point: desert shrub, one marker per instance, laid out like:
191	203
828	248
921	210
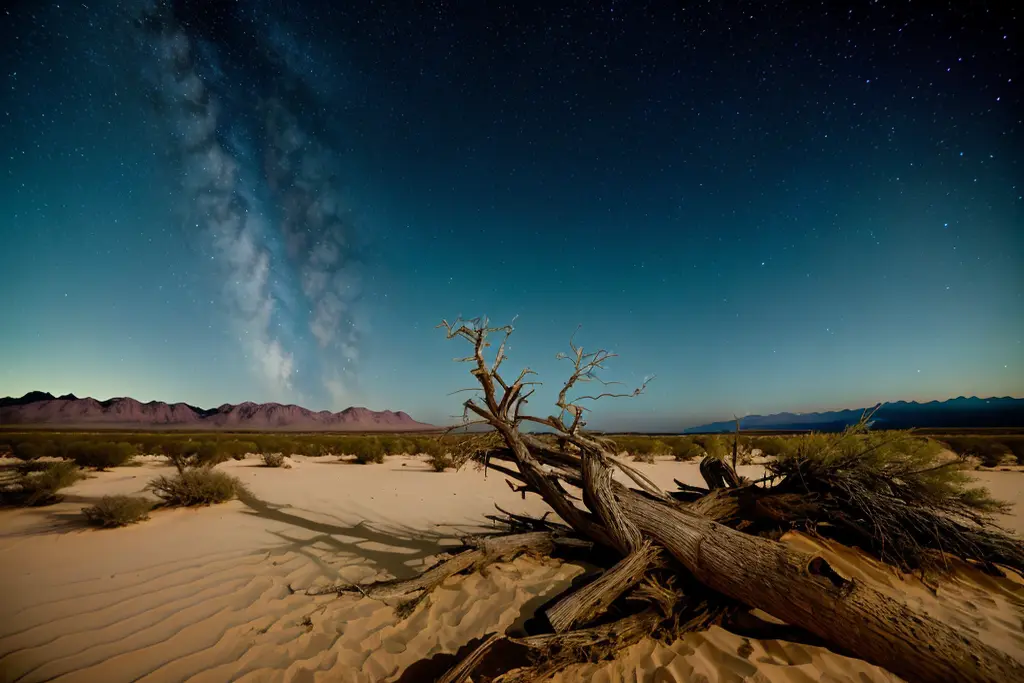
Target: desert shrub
272	459
238	449
115	511
642	451
148	444
684	448
438	455
62	474
440	460
424	445
345	445
101	455
172	448
397	445
990	451
41	487
1016	446
189	453
773	446
368	450
897	495
195	486
311	449
714	445
28	450
288	447
337	445
210	453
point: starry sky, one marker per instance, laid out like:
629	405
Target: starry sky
768	206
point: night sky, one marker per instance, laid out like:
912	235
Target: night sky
769	206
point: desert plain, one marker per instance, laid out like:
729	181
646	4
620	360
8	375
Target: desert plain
218	593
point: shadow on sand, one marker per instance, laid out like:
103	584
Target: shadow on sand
403	546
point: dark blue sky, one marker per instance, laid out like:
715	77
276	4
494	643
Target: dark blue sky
768	206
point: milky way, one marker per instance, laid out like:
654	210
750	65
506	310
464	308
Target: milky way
256	178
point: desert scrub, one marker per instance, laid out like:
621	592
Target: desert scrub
714	445
115	511
989	450
438	456
773	446
195	486
367	451
683	449
41	487
100	455
273	460
893	493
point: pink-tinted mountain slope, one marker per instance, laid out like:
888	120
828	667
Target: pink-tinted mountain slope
40	408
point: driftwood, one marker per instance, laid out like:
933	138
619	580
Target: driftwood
685	559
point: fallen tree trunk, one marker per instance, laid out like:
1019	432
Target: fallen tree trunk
592	600
805	591
800	589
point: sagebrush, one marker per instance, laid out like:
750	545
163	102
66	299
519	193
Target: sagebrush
41	486
273	459
116	511
195	486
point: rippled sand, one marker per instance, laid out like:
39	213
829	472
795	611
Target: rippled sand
216	594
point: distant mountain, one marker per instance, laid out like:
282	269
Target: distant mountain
42	408
966	412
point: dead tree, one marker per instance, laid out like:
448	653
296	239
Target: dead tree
681	563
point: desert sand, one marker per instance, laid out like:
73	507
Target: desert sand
217	594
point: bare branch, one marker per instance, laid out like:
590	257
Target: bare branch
459	391
636	392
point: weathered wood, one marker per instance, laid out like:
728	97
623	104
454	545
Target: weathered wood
805	591
461	671
598	496
622	633
800	589
590	601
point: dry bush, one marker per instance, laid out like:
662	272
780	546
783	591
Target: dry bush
237	450
772	446
893	493
367	451
684	448
41	486
272	459
115	511
1016	446
714	445
101	455
440	461
441	458
990	450
195	486
28	450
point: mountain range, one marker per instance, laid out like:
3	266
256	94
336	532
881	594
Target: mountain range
965	412
41	408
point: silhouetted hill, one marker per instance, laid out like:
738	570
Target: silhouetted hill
41	408
964	412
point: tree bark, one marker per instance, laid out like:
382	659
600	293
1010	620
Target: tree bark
805	591
590	601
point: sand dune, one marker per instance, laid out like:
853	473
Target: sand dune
216	594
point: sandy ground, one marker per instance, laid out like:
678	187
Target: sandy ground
209	594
